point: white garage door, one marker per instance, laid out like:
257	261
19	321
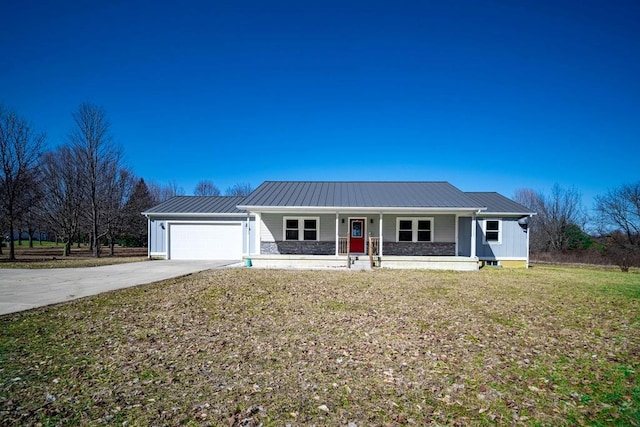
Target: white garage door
205	241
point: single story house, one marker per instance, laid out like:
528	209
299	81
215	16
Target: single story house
431	225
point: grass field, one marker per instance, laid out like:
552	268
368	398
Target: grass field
49	255
545	346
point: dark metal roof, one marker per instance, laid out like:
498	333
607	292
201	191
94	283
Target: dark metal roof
198	205
358	195
497	203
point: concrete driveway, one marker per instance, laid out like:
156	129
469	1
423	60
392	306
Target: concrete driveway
23	289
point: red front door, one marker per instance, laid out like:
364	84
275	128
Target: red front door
356	227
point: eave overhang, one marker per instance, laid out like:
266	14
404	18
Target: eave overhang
518	214
355	209
194	215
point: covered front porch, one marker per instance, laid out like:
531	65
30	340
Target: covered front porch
365	240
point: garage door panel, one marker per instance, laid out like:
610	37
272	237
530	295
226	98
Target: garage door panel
205	241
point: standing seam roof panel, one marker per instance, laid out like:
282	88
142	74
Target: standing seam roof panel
282	195
353	194
366	193
357	197
497	203
304	198
309	195
317	194
296	198
337	195
360	194
350	195
199	205
326	193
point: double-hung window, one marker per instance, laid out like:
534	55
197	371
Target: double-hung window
303	228
492	231
291	229
415	229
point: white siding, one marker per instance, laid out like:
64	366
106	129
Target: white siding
327	228
513	241
271	229
374	229
444	227
157	236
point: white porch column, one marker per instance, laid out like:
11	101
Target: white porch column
256	250
473	235
337	236
380	236
456	232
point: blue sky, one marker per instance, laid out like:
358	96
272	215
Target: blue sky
489	95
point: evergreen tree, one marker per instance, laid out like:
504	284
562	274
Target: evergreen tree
140	201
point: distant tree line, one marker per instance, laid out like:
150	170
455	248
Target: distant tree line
208	188
80	191
559	227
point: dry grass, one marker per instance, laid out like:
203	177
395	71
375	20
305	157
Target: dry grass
50	256
547	346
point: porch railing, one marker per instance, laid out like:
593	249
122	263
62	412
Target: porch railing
374	249
374	246
343	246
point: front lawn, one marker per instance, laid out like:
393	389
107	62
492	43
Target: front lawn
50	256
545	346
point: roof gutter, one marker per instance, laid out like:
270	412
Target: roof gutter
192	215
510	213
376	209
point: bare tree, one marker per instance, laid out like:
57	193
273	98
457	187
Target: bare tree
100	158
118	192
206	188
159	193
239	189
557	216
619	219
31	219
62	194
20	148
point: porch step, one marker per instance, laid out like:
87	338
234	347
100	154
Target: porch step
362	263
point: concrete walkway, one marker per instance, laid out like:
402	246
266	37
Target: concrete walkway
23	289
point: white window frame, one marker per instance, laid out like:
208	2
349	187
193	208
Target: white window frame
414	228
484	231
301	228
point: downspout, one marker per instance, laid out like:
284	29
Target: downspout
528	233
248	241
148	236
